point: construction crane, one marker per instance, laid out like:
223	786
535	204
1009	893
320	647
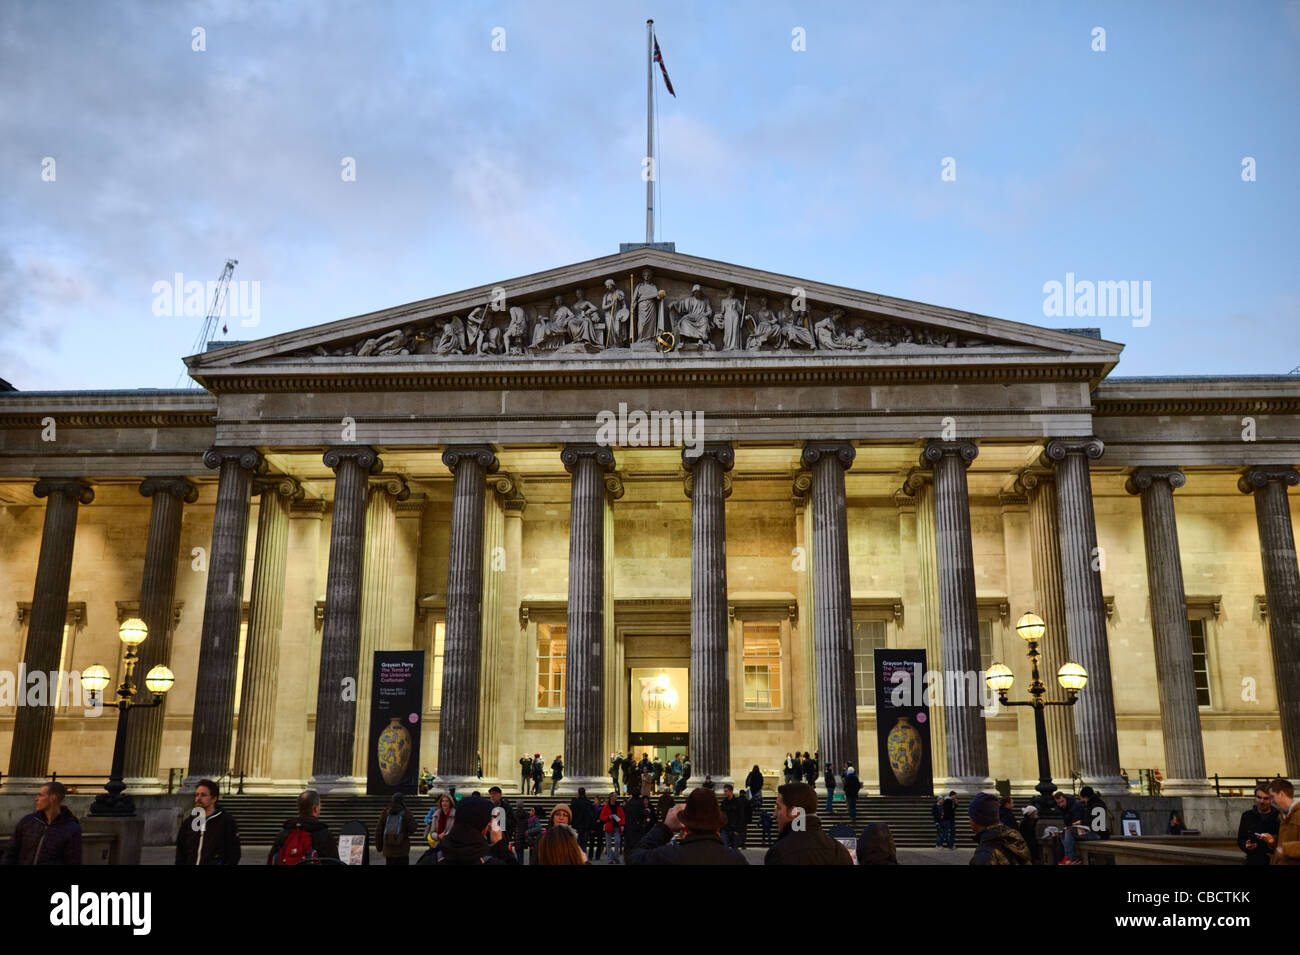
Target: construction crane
209	330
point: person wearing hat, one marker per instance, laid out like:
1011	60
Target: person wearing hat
995	843
473	840
1029	832
688	835
801	840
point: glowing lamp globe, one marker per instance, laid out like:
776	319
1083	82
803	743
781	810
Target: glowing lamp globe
94	678
133	631
1031	627
159	680
1072	676
999	677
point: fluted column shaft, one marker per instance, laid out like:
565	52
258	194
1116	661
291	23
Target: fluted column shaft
1277	550
1180	717
157	609
837	715
710	696
584	683
29	756
463	650
265	622
336	710
1085	612
214	697
959	626
1049	597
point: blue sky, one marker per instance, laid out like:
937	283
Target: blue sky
475	166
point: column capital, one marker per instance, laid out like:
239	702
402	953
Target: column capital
511	491
1143	478
573	453
614	485
1058	448
1257	478
365	456
720	450
814	451
482	453
393	485
799	490
1028	479
936	449
175	486
284	485
250	459
914	480
73	488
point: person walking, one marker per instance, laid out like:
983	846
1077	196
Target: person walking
615	764
304	837
49	836
754	782
393	836
688	835
801	840
830	787
852	786
557	772
1259	820
612	819
208	835
995	843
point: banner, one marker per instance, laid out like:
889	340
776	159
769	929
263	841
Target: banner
396	702
903	724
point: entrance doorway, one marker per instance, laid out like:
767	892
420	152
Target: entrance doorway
659	707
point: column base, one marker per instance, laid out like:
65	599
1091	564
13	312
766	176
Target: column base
338	785
144	785
1106	785
1186	787
964	785
24	785
462	784
597	786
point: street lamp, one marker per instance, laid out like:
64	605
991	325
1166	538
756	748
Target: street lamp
1072	676
94	679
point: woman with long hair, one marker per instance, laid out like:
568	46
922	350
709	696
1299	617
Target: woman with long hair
559	846
439	820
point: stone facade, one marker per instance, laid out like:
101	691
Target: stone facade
940	414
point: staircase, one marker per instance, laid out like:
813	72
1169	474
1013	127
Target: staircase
260	817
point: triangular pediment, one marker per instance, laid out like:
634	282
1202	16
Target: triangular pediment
642	305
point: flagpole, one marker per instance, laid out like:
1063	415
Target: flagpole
649	132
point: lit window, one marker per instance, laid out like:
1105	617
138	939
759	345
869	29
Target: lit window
551	649
65	651
1200	660
762	666
239	663
435	664
868	636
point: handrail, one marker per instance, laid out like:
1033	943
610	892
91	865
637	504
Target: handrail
1225	782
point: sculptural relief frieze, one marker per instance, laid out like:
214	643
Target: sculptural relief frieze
641	313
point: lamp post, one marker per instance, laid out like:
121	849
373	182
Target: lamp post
1072	676
132	633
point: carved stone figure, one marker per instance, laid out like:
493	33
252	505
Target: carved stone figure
582	322
766	328
793	332
830	336
480	336
613	306
516	332
645	305
694	323
730	320
552	331
390	343
452	341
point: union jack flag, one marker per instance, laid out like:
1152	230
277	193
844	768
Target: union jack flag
659	58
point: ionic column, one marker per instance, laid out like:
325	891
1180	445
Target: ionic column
1180	717
919	486
336	711
959	626
376	600
584	681
1282	590
260	686
29	756
1085	612
708	486
458	722
157	609
1049	599
837	715
223	610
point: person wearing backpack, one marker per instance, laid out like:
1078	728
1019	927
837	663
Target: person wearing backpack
304	837
394	833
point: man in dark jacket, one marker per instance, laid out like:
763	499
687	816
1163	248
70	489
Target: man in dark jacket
538	773
1260	819
1029	832
684	778
209	835
995	844
809	770
697	821
473	840
637	818
830	787
801	840
733	808
1007	812
308	821
525	773
49	836
557	772
950	819
394	841
615	764
876	845
584	819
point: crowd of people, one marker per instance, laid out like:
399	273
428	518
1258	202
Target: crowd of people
650	829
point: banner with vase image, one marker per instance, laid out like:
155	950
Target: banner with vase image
903	723
396	702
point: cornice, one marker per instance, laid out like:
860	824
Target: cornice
111	419
1192	405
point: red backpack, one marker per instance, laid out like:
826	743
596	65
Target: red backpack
297	847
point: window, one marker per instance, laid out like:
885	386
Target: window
868	636
65	658
435	664
1200	660
552	642
986	645
762	666
239	664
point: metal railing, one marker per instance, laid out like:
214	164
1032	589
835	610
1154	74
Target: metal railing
1240	785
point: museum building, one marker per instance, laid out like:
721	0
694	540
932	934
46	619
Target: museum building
656	501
